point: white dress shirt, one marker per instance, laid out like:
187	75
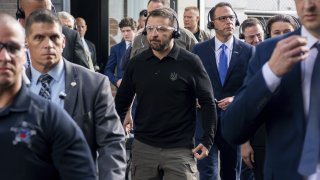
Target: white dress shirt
218	50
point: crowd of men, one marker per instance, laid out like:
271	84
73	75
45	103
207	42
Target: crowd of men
200	106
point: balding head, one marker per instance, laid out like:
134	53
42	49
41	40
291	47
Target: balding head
11	26
81	26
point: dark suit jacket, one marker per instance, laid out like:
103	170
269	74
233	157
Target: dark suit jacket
74	50
282	112
90	103
92	49
241	54
114	62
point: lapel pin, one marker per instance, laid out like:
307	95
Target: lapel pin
73	83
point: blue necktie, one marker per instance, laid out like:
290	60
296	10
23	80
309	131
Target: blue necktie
310	153
223	63
45	80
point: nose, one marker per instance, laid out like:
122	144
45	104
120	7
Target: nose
154	32
256	38
4	54
49	43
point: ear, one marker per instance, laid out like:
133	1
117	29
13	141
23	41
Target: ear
63	41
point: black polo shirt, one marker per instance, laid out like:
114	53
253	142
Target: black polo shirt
166	92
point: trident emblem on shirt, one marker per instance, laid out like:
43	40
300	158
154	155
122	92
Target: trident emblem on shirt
173	76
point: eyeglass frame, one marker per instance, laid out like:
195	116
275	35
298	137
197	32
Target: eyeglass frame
158	28
225	18
8	46
252	36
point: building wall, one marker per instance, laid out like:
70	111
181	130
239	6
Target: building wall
8	6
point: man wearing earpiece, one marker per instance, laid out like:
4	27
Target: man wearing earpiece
251	31
166	79
225	59
140	43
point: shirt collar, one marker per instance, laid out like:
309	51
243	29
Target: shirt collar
311	39
218	43
55	72
20	103
173	54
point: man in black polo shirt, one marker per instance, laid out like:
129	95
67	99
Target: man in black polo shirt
167	80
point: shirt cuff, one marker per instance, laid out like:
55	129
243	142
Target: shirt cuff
270	78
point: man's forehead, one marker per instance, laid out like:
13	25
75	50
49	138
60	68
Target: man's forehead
158	20
11	33
43	28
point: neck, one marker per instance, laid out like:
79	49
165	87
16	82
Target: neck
165	52
7	94
194	29
223	39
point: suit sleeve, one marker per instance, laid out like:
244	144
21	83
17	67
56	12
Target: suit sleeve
70	151
241	119
205	97
111	66
110	135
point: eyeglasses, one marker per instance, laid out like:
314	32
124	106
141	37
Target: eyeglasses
225	18
11	47
159	29
253	36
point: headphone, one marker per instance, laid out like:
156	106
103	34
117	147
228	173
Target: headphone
253	22
210	24
21	15
175	33
145	13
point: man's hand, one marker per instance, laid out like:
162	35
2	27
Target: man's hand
203	149
119	83
224	103
247	154
128	122
287	53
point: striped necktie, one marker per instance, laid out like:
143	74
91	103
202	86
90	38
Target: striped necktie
45	80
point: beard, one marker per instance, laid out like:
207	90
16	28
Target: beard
159	45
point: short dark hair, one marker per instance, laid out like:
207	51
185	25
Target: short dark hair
128	22
281	18
165	13
164	2
249	23
42	16
221	4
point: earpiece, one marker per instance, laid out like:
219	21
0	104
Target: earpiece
145	13
19	13
210	24
175	33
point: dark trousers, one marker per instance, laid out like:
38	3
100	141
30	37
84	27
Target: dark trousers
230	157
258	166
246	172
